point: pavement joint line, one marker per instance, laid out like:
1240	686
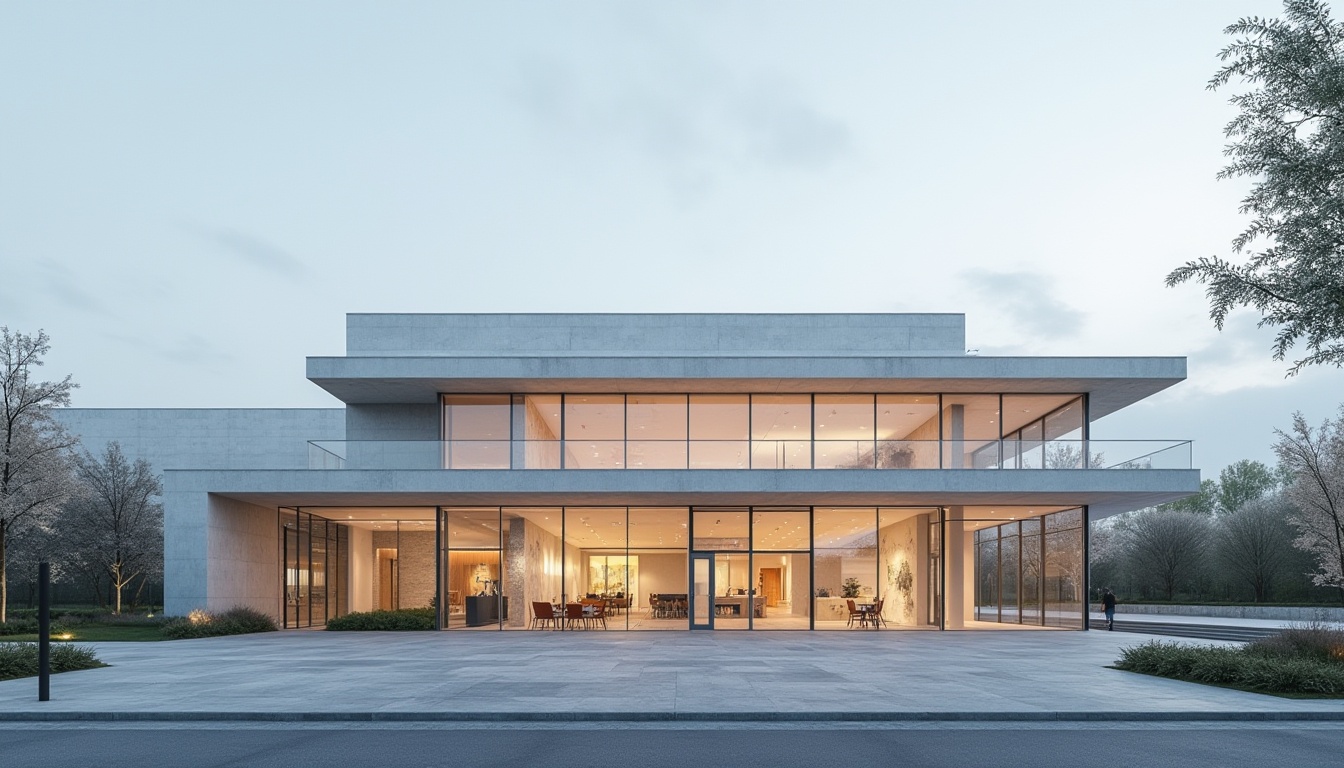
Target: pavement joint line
707	717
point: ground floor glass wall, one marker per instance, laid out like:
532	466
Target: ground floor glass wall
630	568
316	568
1031	571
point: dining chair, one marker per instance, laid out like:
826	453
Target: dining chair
543	614
875	615
573	615
855	613
599	615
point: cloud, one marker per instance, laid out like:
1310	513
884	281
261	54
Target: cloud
64	286
689	114
1027	299
256	251
1236	358
185	349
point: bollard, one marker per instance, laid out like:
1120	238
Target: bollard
44	631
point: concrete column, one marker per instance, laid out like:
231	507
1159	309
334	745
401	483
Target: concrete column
954	568
957	427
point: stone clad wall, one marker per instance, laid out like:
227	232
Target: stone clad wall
1265	612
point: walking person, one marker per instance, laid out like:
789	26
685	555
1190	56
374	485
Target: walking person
1108	605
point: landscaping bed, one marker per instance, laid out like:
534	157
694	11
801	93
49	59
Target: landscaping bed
1301	661
404	620
20	659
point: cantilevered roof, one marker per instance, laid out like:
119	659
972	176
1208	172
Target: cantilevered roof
1112	382
411	358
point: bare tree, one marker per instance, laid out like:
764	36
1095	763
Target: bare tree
1166	547
1316	460
35	476
115	523
1255	543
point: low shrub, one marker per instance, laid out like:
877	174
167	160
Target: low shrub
404	620
29	627
1270	666
20	659
239	620
18	627
1315	640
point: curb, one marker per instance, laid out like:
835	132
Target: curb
580	717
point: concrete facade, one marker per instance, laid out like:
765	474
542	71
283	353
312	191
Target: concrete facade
229	472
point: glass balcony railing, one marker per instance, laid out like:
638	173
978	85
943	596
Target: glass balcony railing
750	454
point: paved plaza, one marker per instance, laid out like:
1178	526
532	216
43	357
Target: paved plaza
1003	675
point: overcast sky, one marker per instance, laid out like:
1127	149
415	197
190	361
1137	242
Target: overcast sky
193	195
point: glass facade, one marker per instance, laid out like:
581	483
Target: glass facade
762	431
669	568
1030	571
316	569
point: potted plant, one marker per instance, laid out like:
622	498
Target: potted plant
850	588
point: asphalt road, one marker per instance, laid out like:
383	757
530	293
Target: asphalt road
1071	746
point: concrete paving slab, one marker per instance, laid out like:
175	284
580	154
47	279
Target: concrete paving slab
305	676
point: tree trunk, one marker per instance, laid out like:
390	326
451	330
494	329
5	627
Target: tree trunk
4	585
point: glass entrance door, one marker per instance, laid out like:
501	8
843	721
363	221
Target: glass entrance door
702	590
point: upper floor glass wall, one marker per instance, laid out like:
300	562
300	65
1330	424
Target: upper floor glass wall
761	431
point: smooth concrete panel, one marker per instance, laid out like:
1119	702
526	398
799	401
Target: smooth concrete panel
207	438
243	556
184	549
1111	382
1107	491
451	335
395	421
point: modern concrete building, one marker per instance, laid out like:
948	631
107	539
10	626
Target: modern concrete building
658	471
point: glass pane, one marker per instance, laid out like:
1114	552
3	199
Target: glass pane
594	431
903	565
845	560
844	431
987	577
719	529
656	426
781	431
735	597
1064	578
907	431
476	428
1031	576
719	431
970	431
702	601
781	529
538	418
658	538
782	583
532	554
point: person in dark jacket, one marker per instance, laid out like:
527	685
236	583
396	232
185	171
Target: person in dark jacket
1108	605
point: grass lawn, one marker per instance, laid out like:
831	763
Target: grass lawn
96	634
